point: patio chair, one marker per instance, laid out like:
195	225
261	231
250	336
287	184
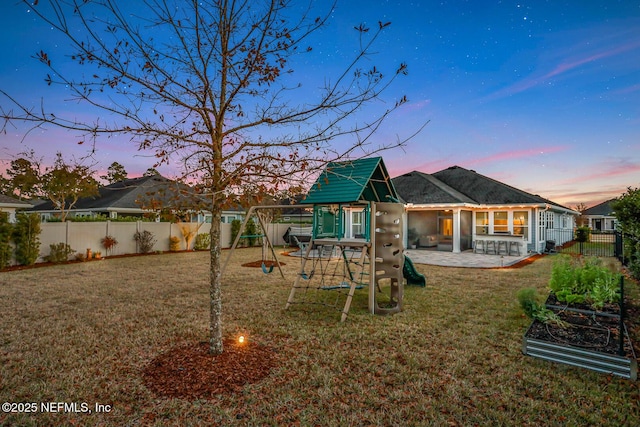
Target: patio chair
479	247
514	248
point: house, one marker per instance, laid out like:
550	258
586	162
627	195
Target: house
455	208
139	197
11	205
601	217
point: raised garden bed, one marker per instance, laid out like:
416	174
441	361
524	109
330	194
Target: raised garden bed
595	340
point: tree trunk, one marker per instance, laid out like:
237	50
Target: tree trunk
215	294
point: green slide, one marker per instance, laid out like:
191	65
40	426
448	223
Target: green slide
411	274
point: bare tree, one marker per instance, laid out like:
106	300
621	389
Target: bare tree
210	83
581	220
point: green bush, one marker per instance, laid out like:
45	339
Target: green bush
582	234
251	229
26	237
145	241
6	252
59	252
235	229
203	241
633	261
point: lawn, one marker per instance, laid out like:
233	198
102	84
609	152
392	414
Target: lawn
85	333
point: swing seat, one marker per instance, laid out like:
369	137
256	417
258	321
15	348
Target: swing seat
266	270
306	276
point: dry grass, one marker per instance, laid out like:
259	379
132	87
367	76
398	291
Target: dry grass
85	332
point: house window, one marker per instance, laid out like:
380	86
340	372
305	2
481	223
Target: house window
501	222
482	222
521	223
356	224
549	217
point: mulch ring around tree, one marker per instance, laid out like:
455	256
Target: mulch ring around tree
191	372
258	264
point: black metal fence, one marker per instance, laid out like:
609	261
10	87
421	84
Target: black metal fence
599	244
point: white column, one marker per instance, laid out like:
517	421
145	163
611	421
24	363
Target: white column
456	230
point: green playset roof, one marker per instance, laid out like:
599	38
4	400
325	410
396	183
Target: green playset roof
353	181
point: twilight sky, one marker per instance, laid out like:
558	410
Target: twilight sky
541	95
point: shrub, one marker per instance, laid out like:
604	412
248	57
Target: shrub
26	237
582	234
6	252
235	229
203	241
251	229
108	243
174	243
145	241
59	252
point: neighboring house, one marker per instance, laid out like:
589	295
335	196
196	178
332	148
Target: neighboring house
295	215
11	205
138	197
447	210
601	217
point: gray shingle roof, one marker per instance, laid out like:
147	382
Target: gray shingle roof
6	200
134	193
485	190
459	185
421	188
603	209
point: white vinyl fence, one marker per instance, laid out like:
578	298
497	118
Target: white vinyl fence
88	235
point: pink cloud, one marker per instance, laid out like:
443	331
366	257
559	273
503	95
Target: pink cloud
606	170
513	154
589	198
561	68
627	90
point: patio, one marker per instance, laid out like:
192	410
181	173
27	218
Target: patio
462	259
449	259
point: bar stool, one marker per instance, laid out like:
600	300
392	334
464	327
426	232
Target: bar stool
514	247
490	246
502	247
479	244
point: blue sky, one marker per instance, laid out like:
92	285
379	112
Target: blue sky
544	96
